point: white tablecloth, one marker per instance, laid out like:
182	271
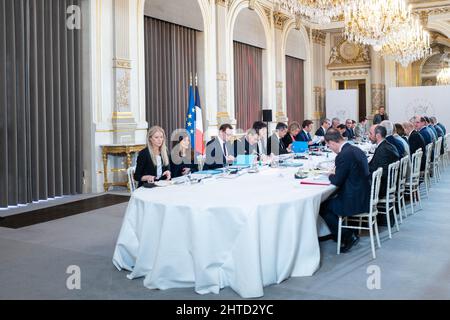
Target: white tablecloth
246	233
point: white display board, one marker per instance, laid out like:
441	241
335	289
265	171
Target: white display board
342	104
404	103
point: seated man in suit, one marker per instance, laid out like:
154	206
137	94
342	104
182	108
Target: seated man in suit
415	141
440	132
380	116
438	124
325	124
385	154
335	122
431	128
305	134
421	127
342	129
293	130
247	145
261	130
275	143
391	138
351	176
219	151
349	133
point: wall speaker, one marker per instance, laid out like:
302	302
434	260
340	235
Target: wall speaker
267	115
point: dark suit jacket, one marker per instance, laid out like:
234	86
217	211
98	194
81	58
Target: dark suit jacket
146	167
397	144
287	140
417	142
352	178
302	136
320	132
242	147
214	155
378	118
385	154
276	146
440	133
349	134
177	169
426	135
442	127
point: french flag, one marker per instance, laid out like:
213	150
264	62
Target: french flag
199	145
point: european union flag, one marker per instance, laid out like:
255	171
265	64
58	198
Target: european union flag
190	116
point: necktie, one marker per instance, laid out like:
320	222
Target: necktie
224	149
309	136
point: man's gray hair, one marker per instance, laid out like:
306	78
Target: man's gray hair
389	127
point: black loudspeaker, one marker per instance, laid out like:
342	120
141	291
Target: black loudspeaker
267	115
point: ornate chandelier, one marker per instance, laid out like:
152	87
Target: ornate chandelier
318	11
409	44
371	22
443	78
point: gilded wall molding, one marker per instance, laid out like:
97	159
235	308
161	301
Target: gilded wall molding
350	73
345	54
280	20
279	84
432	11
123	90
378	94
252	4
223	3
319	37
221	76
122	63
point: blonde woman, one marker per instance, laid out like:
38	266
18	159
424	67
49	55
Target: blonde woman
153	162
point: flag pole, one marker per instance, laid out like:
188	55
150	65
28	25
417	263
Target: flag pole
196	79
190	78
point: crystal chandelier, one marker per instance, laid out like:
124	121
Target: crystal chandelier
443	78
371	22
318	11
409	44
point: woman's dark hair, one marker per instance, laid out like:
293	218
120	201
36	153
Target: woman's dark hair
400	129
341	126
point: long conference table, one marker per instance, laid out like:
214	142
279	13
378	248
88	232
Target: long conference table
248	232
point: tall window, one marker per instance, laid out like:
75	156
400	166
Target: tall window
247	84
295	96
170	58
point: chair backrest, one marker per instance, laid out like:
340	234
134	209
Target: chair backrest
403	172
428	149
415	166
437	149
446	144
375	191
392	178
131	182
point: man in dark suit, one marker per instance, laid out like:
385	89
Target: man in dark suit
305	134
385	154
275	144
349	133
415	141
351	176
439	131
421	127
391	139
437	124
246	145
325	124
380	116
219	151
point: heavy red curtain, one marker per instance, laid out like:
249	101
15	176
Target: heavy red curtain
170	58
247	84
295	94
